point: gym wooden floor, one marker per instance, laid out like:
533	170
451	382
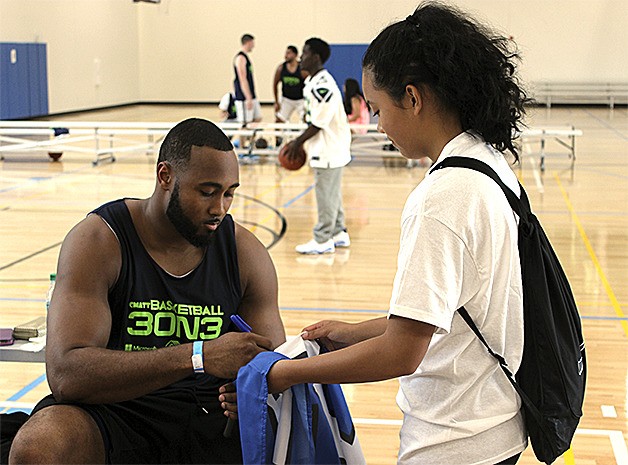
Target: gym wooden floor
584	211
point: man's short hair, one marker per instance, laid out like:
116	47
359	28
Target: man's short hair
177	145
293	49
320	47
246	38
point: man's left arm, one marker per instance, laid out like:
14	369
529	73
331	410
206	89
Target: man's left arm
259	306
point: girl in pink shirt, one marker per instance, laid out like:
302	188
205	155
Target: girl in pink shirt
355	105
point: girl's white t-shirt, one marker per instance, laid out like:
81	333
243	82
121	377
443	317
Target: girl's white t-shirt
459	248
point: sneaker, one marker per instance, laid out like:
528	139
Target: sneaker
314	247
342	239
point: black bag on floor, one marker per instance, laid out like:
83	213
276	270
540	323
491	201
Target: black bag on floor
10	423
552	376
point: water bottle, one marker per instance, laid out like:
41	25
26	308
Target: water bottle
51	288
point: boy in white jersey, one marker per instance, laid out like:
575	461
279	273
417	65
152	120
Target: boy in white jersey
327	141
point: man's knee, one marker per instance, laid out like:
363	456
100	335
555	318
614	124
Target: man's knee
58	434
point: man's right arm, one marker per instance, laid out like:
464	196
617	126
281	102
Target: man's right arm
79	366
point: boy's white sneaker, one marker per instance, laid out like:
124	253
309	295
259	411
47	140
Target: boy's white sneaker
314	248
342	239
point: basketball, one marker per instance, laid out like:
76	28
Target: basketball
296	162
55	155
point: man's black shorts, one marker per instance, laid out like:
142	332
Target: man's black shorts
182	424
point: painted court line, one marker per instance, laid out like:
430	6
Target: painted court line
608	411
618	445
21	393
536	175
302	194
25	183
29	387
607	125
594	259
18	405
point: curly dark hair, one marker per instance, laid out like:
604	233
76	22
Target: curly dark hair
469	68
177	145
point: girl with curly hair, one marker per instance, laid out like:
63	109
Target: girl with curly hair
442	85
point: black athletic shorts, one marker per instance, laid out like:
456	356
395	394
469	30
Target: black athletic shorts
178	424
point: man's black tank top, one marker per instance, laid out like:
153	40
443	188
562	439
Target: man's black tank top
291	83
239	95
151	309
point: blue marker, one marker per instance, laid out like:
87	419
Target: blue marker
240	323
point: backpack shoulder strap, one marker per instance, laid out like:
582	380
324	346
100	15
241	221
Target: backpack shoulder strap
502	362
520	206
531	408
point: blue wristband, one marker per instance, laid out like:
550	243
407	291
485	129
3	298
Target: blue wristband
197	357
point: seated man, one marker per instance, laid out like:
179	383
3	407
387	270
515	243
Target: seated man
143	284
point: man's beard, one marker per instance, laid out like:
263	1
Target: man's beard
183	224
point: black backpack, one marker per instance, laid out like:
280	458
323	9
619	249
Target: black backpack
552	376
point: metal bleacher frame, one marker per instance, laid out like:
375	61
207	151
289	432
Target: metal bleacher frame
604	93
103	140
